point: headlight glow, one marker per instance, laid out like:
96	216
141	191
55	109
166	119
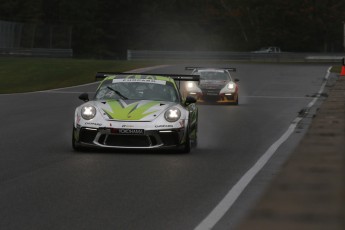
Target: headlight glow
231	86
88	112
190	85
172	114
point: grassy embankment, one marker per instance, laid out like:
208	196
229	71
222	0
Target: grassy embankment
33	74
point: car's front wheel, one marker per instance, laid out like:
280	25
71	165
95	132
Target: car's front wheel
75	145
236	102
187	145
195	139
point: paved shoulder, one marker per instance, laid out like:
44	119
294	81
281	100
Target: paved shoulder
309	192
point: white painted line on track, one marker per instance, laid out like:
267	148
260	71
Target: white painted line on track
147	69
321	89
96	83
64	92
52	90
226	203
275	97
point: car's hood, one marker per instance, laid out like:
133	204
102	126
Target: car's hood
213	84
132	110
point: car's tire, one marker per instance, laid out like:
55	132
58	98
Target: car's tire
195	140
75	145
195	143
236	102
187	146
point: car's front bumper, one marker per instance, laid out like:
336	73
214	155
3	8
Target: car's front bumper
215	97
110	138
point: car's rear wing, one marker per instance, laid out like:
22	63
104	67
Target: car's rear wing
198	67
176	77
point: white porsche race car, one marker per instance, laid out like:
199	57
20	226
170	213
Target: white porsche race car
137	111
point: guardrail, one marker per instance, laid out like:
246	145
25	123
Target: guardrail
246	56
37	52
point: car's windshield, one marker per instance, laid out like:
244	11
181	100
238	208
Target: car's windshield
208	75
137	90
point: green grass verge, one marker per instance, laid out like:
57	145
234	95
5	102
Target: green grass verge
33	74
336	69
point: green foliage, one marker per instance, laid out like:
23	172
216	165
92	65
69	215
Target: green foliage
107	28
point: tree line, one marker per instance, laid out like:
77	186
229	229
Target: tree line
107	28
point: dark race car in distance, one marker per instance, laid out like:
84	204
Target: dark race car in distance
216	85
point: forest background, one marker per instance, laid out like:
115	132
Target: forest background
108	28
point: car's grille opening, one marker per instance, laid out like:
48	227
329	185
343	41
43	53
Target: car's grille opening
127	140
166	138
211	92
101	139
169	138
230	97
153	140
87	135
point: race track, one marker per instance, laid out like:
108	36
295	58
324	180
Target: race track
45	185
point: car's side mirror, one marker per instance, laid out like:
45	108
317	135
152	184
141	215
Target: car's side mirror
190	100
84	97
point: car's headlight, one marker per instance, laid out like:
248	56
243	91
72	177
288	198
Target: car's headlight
190	85
88	112
231	86
172	114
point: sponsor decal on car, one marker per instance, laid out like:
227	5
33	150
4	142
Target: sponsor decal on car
131	131
164	126
147	80
93	123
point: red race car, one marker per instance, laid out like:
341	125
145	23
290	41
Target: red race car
216	84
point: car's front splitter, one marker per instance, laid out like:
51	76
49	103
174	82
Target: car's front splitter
111	138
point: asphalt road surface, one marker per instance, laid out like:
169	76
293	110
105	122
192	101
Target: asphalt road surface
45	185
